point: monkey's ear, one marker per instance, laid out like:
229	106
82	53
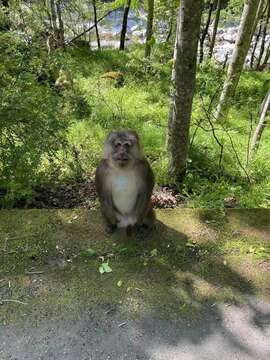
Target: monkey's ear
133	135
111	136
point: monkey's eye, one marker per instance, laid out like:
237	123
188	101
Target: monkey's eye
127	144
117	144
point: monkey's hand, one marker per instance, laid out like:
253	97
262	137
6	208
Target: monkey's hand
126	221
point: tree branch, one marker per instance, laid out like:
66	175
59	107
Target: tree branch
91	27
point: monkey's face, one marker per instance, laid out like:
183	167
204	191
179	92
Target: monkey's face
124	147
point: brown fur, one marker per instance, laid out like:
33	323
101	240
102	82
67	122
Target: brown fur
124	162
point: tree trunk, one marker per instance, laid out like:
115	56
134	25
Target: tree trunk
61	33
261	125
149	28
215	28
238	57
205	30
267	55
184	74
170	31
260	13
5	3
252	58
124	25
5	26
53	36
264	32
96	23
53	16
259	16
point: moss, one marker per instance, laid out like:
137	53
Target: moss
192	258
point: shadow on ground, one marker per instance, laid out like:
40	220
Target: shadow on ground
197	287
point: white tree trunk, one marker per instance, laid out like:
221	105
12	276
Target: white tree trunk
261	125
149	29
238	57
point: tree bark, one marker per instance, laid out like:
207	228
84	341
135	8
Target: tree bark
264	33
53	36
267	55
261	125
5	3
53	16
60	31
124	25
215	28
184	74
5	26
96	23
205	30
149	28
252	58
169	32
238	57
260	13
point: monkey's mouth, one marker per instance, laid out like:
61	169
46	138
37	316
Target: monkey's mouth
122	161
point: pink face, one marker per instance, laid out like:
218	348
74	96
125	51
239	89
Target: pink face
124	145
122	151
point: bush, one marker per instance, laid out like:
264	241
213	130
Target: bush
31	121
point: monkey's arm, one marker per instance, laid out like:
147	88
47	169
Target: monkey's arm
143	204
104	192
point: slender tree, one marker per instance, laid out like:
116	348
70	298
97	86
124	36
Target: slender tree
184	74
5	26
60	30
53	16
259	16
264	33
215	28
238	57
261	125
149	28
124	25
257	38
96	23
267	55
205	29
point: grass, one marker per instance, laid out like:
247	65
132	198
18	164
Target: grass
193	258
143	104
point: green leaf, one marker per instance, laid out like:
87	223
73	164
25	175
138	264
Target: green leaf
154	252
101	269
120	283
105	268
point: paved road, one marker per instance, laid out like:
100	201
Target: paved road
223	333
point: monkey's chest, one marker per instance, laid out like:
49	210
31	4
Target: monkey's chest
124	191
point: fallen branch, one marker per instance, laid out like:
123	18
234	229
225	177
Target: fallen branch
14	301
34	272
92	26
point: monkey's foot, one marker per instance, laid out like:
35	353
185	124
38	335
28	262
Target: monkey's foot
141	228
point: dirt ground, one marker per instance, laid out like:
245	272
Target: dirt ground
196	287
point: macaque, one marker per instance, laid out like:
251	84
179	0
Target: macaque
124	183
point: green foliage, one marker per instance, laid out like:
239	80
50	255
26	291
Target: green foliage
32	120
52	135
